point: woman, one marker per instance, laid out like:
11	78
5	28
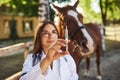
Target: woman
48	62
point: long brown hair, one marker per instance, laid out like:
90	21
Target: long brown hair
37	39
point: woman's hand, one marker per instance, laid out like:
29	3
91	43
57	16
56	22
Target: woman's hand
54	51
53	54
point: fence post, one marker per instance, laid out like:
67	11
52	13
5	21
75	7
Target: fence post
103	39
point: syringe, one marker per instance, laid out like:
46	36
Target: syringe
66	38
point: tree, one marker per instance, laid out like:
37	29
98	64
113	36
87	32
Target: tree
3	2
88	12
109	10
28	8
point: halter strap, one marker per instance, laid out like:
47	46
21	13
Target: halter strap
73	32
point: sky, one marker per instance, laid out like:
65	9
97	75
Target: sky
95	6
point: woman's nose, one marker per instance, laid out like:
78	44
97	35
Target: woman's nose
51	35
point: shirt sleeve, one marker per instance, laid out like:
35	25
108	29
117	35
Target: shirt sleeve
32	73
72	66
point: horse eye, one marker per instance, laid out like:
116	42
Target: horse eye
61	19
57	14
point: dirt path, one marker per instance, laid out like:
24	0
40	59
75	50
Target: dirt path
110	67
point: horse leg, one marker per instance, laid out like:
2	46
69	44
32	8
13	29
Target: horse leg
98	59
87	65
78	65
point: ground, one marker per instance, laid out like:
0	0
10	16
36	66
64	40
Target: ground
110	64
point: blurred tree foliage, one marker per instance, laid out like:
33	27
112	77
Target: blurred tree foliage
3	2
109	10
89	14
27	8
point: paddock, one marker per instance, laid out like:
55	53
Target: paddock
109	64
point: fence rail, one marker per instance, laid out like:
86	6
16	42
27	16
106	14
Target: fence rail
113	33
14	48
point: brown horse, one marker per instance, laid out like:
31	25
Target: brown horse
85	38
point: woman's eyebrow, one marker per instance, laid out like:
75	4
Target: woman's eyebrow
44	31
54	30
51	30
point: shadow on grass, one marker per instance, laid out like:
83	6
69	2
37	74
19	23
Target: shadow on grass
10	65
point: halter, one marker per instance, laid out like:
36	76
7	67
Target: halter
77	43
73	32
64	23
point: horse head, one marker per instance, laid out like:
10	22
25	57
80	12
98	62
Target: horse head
70	17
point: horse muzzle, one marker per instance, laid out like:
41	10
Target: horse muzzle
86	48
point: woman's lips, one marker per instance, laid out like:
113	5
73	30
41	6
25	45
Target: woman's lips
50	41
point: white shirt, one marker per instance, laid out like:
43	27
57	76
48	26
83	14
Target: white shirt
63	69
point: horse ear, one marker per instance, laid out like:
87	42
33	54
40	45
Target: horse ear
57	8
75	5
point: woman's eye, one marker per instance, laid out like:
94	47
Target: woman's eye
45	33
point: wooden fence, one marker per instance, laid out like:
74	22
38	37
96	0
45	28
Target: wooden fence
13	49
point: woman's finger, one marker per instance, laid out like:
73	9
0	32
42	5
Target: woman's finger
63	53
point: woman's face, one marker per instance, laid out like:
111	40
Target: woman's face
48	36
